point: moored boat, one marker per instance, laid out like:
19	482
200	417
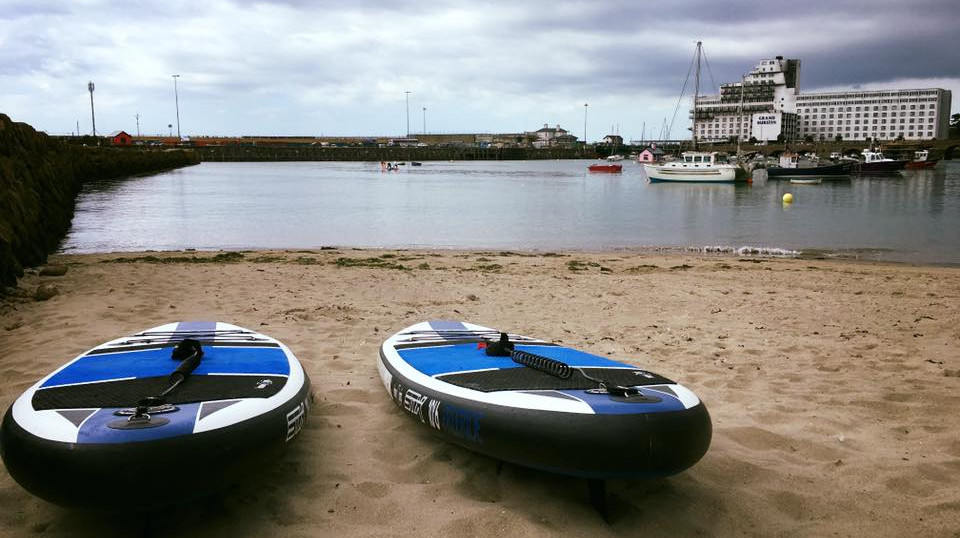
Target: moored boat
920	161
693	167
793	166
874	161
607	168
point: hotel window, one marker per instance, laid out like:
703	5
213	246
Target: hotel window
922	107
930	133
913	107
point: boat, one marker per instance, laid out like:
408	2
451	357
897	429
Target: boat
158	418
874	161
615	158
416	163
695	166
607	168
920	161
792	165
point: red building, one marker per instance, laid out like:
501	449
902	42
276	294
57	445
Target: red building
120	138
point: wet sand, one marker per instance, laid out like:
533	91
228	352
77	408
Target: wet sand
834	388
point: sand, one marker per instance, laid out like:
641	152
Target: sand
834	389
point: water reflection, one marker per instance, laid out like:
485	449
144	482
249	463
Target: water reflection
514	205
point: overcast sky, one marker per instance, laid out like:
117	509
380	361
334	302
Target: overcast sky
341	67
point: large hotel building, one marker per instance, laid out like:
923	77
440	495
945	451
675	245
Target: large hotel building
767	103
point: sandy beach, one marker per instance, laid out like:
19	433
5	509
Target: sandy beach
834	388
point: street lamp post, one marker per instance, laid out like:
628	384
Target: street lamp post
424	120
93	116
408	114
585	124
176	100
138	124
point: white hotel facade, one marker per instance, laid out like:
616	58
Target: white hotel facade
772	105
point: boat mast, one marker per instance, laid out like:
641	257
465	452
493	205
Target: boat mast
696	96
743	79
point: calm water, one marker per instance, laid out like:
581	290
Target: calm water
545	205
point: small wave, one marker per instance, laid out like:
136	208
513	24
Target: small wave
763	252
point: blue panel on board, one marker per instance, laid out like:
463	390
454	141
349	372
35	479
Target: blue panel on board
447	325
157	362
197	326
603	404
96	430
463	357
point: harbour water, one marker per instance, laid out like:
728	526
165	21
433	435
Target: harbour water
911	216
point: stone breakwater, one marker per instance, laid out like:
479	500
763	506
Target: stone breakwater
40	178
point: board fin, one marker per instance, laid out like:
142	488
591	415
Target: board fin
598	496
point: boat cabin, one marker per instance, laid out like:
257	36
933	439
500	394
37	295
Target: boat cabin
697	159
873	156
921	156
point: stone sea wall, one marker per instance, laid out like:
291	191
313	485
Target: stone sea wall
40	178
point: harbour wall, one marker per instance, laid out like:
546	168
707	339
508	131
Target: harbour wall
432	153
40	178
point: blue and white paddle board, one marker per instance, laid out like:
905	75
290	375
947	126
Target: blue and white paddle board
605	419
73	439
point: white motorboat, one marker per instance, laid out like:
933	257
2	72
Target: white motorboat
693	167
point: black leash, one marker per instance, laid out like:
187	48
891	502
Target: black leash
505	348
189	353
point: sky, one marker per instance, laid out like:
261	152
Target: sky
343	67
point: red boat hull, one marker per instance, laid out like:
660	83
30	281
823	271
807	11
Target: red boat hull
608	168
921	165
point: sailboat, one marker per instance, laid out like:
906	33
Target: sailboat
694	166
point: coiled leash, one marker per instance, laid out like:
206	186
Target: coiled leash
189	353
505	348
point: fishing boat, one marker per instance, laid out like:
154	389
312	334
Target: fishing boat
694	166
921	161
607	168
792	165
874	161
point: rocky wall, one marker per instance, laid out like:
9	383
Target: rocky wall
40	178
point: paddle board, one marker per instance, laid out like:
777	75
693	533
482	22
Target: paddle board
543	405
110	430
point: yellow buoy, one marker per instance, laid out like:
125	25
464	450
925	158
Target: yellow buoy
788	198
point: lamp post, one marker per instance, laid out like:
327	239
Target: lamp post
176	100
138	124
408	113
424	120
585	124
93	116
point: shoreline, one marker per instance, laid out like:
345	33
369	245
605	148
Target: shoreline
832	386
745	252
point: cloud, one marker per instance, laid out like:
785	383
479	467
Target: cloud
305	67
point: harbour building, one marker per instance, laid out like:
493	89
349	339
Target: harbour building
766	103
